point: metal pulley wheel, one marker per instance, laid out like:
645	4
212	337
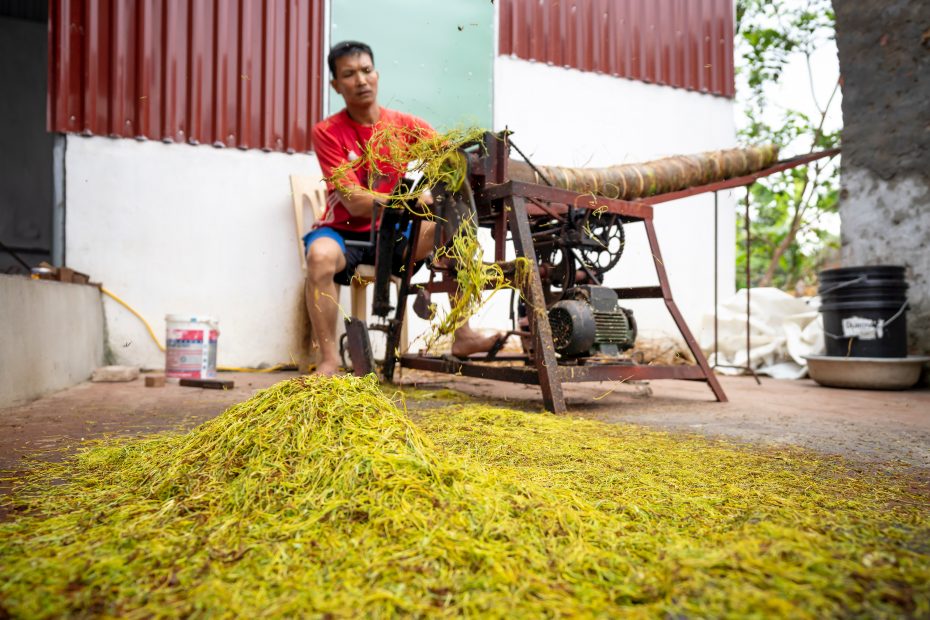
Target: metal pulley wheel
603	241
557	267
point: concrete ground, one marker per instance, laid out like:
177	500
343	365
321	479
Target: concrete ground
865	426
862	425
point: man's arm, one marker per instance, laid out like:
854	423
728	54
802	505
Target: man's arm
358	201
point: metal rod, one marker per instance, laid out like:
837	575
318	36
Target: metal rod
396	325
527	160
696	351
747	368
15	256
748	179
748	274
716	278
639	292
560	199
748	287
565	374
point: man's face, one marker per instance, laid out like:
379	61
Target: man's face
356	79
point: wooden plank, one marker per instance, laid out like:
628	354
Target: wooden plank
209	384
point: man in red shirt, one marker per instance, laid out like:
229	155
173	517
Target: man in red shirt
339	139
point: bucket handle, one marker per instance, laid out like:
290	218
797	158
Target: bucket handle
843	285
882	324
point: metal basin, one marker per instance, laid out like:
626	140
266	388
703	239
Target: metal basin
866	373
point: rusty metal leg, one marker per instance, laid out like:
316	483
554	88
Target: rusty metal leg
500	236
676	315
544	350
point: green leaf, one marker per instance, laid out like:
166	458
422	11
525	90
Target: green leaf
770	34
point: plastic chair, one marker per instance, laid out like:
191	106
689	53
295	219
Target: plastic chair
310	191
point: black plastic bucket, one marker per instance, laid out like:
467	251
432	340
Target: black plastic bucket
866	283
864	311
840	274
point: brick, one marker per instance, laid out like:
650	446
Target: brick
155	381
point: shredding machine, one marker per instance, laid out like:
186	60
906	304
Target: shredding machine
572	326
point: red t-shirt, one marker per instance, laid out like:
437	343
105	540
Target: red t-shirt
338	139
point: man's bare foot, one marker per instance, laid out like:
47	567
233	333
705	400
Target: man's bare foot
468	341
327	369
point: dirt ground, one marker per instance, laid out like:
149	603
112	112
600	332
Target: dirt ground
865	426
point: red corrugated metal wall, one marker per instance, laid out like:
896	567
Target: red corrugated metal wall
681	43
243	73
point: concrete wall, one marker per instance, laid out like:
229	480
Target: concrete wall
174	228
25	146
51	336
884	54
571	118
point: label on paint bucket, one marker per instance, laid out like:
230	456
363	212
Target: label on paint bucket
190	351
863	328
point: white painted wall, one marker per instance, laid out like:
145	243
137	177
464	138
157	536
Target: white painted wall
567	117
175	228
51	336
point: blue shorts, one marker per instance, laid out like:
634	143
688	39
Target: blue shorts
326	231
355	255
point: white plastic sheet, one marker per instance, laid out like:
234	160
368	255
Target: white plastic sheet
782	330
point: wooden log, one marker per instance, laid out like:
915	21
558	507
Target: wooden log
670	174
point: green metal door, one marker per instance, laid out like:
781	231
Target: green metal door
435	58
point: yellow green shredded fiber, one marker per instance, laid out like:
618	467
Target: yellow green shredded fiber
320	497
438	159
473	277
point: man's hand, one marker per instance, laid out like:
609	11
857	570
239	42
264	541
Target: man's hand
425	199
360	202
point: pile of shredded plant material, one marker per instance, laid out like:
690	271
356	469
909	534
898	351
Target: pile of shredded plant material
663	351
320	497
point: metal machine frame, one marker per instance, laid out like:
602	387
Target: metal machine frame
510	206
505	205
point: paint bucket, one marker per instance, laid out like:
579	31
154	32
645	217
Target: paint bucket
190	346
865	311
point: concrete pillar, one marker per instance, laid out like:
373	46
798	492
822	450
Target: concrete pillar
884	54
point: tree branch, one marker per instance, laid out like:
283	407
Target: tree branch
802	202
